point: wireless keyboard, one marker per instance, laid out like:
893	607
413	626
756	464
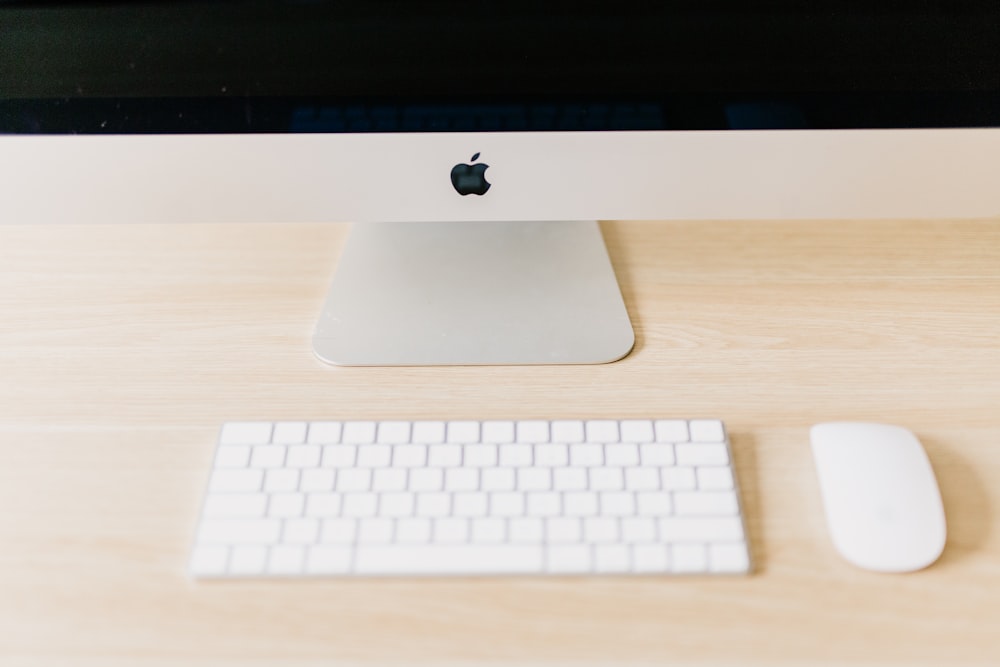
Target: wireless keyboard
367	498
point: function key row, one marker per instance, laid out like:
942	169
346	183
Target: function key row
469	432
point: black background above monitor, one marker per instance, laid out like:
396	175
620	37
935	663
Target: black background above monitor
374	65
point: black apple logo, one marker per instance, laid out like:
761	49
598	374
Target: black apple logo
470	179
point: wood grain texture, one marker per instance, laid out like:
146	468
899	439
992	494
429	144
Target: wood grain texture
123	348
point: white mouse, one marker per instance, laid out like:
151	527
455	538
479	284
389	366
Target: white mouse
882	503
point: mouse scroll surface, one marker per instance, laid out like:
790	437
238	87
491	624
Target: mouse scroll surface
881	499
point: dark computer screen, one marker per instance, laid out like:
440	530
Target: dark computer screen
388	65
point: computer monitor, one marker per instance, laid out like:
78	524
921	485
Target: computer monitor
479	142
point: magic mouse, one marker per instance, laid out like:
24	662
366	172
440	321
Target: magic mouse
882	503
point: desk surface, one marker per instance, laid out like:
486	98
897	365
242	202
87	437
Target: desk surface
123	348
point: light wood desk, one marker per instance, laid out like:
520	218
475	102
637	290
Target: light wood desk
123	348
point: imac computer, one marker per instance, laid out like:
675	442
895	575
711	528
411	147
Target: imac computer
476	144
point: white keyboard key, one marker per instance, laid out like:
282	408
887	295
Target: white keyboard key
653	503
480	456
317	480
534	479
236	481
488	531
459	559
350	480
498	432
360	505
374	456
209	560
235	505
586	455
409	456
678	478
707	430
532	432
339	531
498	479
617	503
544	504
451	530
526	530
428	432
248	560
642	479
426	479
689	558
569	479
286	559
650	558
358	433
246	433
656	454
392	433
612	558
701	529
267	456
621	454
602	431
715	478
461	479
638	529
728	558
507	504
607	479
671	430
463	433
339	456
568	559
303	456
702	454
600	529
581	503
415	530
397	504
515	455
637	430
232	456
444	456
239	531
563	530
470	504
326	559
705	503
551	455
324	433
289	433
389	479
375	530
286	505
281	480
567	431
301	531
324	504
434	504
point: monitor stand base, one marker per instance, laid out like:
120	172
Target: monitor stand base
471	293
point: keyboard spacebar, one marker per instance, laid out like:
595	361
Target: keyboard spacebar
449	559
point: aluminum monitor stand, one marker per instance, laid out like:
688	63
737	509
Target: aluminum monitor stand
473	293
